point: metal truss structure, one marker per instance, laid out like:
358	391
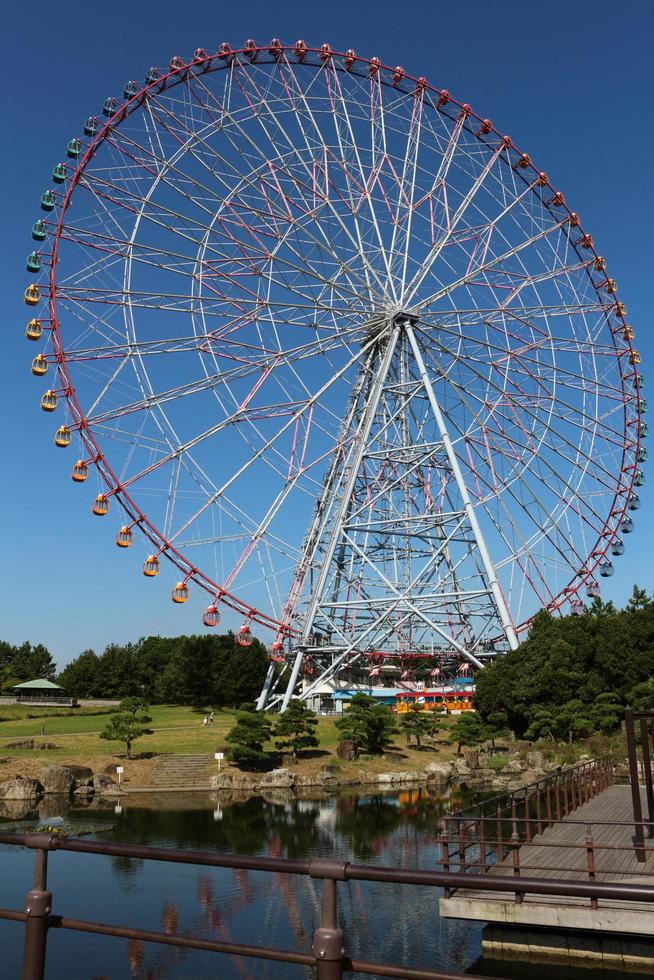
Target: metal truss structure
343	355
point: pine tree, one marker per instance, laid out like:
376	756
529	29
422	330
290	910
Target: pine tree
367	723
251	731
468	729
129	723
419	724
295	729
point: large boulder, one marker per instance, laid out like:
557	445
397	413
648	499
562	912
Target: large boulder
82	776
436	770
347	749
386	779
535	760
461	768
20	789
104	785
222	780
532	776
57	780
471	757
409	776
277	779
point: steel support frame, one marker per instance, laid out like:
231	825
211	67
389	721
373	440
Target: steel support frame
398	325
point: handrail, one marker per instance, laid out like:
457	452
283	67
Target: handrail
327	956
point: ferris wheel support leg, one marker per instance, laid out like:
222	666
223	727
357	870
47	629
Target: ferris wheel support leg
491	575
354	463
265	690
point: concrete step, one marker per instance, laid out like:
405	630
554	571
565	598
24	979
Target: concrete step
183	770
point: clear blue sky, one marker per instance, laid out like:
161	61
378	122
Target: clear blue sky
570	82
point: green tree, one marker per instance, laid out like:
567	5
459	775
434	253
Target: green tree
417	724
367	723
32	662
249	735
641	696
295	729
497	726
468	729
81	677
129	723
638	600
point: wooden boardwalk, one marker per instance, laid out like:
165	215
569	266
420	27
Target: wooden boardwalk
560	852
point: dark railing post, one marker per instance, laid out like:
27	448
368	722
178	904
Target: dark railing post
639	839
482	846
548	802
590	856
527	811
500	840
327	945
558	797
539	825
38	905
647	766
515	860
565	794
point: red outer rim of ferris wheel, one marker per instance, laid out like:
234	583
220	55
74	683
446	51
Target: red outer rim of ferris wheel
274	50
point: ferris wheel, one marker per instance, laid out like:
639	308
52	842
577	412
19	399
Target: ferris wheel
329	344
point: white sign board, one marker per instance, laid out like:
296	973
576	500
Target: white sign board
119	769
218	756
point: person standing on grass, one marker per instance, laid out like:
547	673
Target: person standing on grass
211	718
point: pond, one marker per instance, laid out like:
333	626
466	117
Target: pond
382	922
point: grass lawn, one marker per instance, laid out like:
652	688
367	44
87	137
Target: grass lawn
176	730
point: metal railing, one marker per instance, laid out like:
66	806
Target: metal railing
327	955
493	832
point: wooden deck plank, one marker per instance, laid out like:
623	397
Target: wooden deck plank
547	857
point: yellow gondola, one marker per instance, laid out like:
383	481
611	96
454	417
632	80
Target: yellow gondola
39	365
151	566
49	400
124	537
80	471
180	593
34	329
32	294
63	437
100	505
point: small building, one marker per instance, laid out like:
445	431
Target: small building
42	692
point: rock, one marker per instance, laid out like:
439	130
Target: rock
386	778
57	780
277	779
394	756
409	776
24	743
83	792
20	789
535	760
460	767
513	767
104	785
82	776
435	769
347	749
471	757
224	780
532	775
367	777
